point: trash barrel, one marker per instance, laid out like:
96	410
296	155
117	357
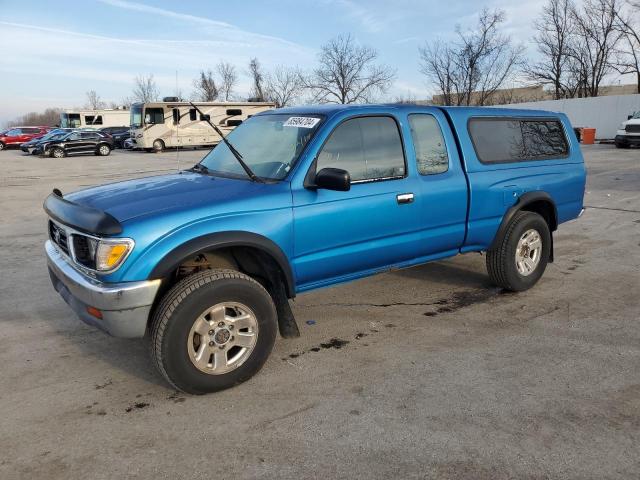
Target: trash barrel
588	136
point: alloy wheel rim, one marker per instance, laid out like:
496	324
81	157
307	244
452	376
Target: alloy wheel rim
104	150
222	338
528	252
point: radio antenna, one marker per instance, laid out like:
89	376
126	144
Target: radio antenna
177	122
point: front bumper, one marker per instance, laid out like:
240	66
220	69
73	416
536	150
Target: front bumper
125	307
628	139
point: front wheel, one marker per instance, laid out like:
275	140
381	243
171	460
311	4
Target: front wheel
213	330
57	152
158	145
522	254
2	146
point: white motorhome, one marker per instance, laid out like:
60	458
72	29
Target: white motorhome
94	118
158	125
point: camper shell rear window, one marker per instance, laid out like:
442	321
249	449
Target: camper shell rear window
510	139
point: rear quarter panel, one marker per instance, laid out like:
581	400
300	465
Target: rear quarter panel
494	188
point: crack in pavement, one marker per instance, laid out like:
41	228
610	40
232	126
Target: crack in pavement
613	209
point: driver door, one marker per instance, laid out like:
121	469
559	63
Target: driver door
341	235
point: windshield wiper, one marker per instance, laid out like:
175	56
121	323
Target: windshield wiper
231	148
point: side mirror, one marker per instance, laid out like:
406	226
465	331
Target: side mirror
629	117
333	179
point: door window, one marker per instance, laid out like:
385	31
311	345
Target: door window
14	132
431	151
369	148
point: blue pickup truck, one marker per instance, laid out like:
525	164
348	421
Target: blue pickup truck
204	261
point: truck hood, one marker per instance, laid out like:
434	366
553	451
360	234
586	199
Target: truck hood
146	196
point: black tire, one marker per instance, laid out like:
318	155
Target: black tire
158	145
501	261
184	303
622	145
2	146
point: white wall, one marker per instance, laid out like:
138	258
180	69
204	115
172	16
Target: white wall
602	113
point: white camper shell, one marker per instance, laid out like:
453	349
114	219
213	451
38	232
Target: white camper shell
94	118
154	125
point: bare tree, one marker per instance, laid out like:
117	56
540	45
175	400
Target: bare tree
628	24
94	102
472	69
228	80
553	40
348	73
206	87
257	75
51	117
145	89
596	38
437	64
284	85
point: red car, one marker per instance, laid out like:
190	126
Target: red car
17	135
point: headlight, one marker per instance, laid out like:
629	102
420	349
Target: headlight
101	255
622	126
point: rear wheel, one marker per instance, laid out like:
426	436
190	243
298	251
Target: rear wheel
2	146
522	254
57	152
158	145
213	330
103	150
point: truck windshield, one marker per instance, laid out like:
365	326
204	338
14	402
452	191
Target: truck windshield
269	145
136	115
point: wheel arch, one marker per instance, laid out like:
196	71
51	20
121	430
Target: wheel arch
539	202
224	240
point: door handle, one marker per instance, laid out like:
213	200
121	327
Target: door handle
404	198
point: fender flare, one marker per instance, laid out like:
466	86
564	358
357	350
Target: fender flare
212	241
526	199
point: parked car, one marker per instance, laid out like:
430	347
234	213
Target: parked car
119	135
32	145
81	142
629	132
205	261
18	135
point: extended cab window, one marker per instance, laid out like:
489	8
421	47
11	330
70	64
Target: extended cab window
369	148
517	140
431	152
153	116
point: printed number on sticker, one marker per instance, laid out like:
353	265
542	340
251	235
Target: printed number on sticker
301	122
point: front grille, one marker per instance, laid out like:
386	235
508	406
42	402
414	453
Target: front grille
633	128
59	237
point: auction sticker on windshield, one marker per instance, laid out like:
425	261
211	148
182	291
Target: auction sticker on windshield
301	122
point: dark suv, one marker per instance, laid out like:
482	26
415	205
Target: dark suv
119	135
80	142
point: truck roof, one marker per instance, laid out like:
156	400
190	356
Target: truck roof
332	109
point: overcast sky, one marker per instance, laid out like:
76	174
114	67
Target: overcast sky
53	52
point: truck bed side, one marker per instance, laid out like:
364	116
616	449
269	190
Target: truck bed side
496	187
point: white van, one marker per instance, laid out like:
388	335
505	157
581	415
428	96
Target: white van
158	125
